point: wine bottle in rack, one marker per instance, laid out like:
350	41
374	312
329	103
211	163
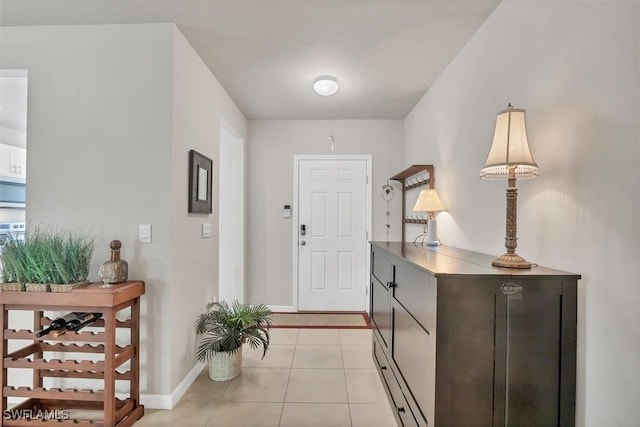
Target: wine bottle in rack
57	324
78	322
82	321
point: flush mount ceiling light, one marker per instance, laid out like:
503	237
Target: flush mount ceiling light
325	85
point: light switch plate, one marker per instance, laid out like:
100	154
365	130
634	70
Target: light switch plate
144	233
206	230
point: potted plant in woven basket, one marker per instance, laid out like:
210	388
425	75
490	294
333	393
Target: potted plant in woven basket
12	265
70	257
226	328
46	260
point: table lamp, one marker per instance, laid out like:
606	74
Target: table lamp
428	201
510	159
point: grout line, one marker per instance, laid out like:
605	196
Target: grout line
286	390
344	374
282	407
290	368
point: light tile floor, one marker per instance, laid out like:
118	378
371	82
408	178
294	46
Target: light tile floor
309	377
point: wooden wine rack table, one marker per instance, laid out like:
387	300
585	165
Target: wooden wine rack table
43	402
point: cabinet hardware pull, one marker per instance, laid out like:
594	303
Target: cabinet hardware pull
400	408
510	288
391	284
383	368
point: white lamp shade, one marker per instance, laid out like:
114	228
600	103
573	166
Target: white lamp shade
428	201
510	148
325	85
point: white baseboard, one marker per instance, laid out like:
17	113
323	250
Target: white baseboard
169	401
185	384
156	401
281	308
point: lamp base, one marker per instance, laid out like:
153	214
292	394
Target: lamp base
432	233
511	261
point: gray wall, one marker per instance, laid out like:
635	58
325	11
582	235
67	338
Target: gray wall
99	124
199	105
113	111
271	147
575	67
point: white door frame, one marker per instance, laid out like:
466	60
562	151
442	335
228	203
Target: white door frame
296	221
231	225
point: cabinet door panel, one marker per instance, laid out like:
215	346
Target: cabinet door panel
465	352
533	332
414	354
381	310
381	267
416	291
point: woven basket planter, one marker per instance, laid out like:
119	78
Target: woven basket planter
225	365
14	287
67	287
37	287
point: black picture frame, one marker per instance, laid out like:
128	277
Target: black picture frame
200	183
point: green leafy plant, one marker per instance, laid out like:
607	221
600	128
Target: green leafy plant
47	256
71	256
226	327
12	262
37	268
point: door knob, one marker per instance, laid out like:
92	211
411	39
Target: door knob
302	243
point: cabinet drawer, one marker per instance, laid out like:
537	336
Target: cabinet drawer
381	310
416	291
414	355
381	267
398	402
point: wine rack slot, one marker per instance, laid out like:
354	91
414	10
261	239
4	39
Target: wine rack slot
126	324
125	409
121	376
83	336
24	351
54	393
75	348
67	365
42	356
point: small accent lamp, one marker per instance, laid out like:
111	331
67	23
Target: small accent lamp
510	159
428	201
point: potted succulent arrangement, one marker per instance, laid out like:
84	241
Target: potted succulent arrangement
226	328
46	260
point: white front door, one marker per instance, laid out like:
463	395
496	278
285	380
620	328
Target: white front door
332	235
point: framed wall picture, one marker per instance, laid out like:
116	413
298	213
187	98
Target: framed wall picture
200	182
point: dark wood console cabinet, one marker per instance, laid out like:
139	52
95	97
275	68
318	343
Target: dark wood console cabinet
458	342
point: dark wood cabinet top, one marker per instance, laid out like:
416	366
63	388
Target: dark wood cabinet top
441	261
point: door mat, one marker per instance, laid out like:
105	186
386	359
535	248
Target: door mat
321	320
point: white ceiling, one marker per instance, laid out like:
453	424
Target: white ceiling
266	53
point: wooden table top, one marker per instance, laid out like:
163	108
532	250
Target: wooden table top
92	295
